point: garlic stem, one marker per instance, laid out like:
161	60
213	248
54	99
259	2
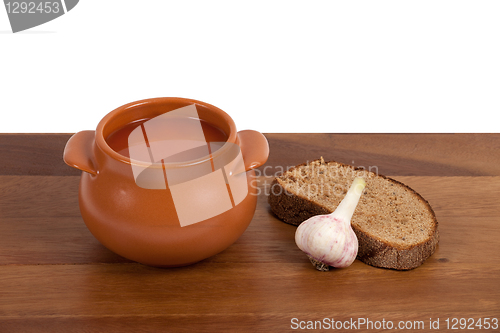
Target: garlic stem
346	208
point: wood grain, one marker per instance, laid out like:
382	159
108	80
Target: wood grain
393	154
55	277
34	154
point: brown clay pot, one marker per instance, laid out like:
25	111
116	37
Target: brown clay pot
142	224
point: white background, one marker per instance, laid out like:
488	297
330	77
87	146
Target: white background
274	66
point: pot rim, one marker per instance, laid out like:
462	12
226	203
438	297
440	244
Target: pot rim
103	145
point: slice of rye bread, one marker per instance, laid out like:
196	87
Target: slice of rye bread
395	226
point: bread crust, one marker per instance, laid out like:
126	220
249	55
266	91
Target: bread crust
294	209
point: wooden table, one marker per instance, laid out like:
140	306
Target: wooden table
54	276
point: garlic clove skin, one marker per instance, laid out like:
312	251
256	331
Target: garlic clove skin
329	240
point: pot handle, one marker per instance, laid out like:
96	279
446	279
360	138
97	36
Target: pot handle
254	148
78	152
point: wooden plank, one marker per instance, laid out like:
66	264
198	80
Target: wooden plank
54	276
392	154
50	240
40	223
244	322
396	154
39	196
34	154
242	290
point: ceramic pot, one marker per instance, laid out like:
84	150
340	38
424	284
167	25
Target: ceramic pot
155	225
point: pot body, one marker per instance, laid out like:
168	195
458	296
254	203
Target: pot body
143	224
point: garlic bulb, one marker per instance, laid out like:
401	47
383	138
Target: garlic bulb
328	240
